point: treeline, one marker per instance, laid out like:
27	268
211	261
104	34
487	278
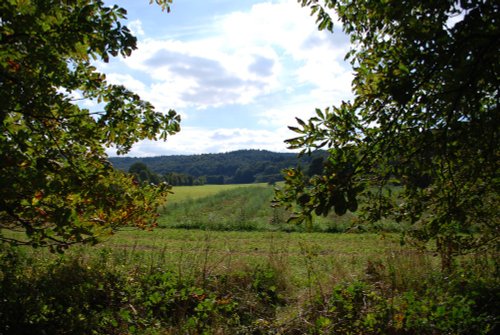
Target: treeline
237	167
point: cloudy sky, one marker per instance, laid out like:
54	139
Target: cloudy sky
238	72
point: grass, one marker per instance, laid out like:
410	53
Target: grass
307	261
339	255
332	258
173	281
238	208
240	268
184	193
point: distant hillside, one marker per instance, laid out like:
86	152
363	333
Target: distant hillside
242	166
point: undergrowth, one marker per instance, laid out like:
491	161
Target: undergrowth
105	294
175	282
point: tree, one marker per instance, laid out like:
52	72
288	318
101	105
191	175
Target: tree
137	167
56	184
425	116
217	180
244	175
143	175
316	167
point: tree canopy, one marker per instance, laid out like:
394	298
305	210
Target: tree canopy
56	184
259	166
419	142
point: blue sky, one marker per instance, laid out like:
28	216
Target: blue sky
238	72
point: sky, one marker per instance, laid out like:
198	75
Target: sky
238	72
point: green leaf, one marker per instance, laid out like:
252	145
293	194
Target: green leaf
53	151
320	114
301	123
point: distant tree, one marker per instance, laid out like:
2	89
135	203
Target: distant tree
143	174
244	175
56	183
217	180
264	164
137	167
270	169
200	181
182	179
425	115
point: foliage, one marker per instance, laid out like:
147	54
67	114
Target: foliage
236	167
56	183
164	4
424	116
361	308
142	174
182	179
78	296
101	291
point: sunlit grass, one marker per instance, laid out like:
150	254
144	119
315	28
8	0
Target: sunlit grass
331	257
239	208
182	193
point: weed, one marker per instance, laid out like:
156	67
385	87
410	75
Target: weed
205	282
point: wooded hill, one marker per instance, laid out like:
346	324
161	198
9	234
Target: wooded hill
237	167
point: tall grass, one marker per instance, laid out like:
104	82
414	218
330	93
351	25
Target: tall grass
240	269
195	282
244	208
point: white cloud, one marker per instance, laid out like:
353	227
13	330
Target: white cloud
187	76
279	24
243	60
136	27
269	52
193	140
126	80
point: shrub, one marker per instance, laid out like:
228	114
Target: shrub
459	305
76	295
61	297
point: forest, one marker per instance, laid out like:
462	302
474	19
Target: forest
237	167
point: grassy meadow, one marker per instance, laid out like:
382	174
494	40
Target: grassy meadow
223	261
238	208
186	193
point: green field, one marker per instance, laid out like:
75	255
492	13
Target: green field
183	193
240	269
238	208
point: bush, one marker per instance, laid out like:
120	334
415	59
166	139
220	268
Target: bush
97	295
453	306
74	295
65	296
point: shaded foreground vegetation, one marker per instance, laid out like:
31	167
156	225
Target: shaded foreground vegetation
194	282
257	280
